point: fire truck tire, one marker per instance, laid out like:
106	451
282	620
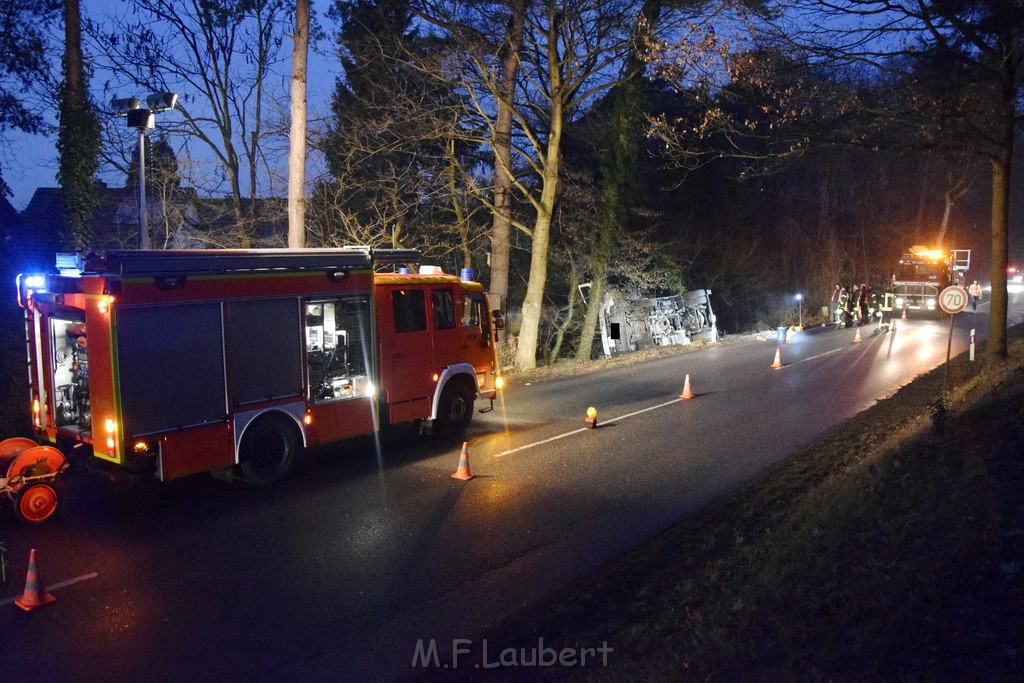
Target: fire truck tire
36	503
269	450
454	409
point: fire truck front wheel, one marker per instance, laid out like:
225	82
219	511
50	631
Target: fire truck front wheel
454	409
269	450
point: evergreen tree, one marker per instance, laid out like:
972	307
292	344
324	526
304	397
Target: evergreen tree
78	139
22	64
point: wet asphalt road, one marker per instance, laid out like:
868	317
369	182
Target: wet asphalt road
336	574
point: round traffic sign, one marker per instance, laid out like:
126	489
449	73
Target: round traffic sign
953	299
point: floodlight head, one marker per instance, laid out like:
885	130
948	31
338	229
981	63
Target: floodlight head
142	119
123	106
162	101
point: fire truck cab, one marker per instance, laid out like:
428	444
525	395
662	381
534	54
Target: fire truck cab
922	273
170	363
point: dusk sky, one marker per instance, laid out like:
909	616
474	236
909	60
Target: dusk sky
31	160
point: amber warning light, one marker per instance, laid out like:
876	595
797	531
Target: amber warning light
111	427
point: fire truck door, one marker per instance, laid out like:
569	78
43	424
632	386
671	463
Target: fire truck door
475	327
449	341
406	354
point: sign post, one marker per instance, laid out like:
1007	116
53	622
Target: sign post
952	300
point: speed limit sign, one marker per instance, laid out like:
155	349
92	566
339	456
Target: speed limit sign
953	299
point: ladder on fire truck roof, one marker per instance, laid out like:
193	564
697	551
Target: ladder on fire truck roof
960	259
186	261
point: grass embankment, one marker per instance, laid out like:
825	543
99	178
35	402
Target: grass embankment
890	549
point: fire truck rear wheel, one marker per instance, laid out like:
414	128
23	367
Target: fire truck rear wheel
454	410
270	448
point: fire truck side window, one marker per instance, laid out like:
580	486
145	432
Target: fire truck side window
444	309
409	309
470	315
337	343
474	314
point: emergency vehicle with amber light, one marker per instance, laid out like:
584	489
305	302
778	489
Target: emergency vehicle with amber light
922	273
169	363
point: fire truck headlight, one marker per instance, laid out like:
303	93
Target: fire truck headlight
899	302
931	303
370	390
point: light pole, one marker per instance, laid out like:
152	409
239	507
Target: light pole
800	303
141	119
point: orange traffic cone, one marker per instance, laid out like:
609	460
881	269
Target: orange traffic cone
856	337
904	314
34	596
778	358
686	389
463	472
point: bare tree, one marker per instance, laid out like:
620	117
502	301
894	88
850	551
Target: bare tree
569	57
219	55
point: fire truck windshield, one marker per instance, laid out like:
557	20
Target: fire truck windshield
930	271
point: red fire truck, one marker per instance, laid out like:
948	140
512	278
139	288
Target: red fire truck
170	363
922	273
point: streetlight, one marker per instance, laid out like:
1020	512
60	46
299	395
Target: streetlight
141	119
800	303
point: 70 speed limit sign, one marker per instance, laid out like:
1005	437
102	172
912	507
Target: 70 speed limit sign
953	299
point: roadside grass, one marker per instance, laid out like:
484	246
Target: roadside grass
891	548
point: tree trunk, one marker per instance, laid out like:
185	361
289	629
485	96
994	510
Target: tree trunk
73	67
995	348
529	331
78	140
574	282
502	219
587	334
922	200
297	137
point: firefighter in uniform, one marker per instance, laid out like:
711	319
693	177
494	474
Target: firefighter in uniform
845	308
885	308
835	304
862	304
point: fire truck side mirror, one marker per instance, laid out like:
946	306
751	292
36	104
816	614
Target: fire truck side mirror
499	320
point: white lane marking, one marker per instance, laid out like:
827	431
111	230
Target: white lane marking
820	355
586	429
62	584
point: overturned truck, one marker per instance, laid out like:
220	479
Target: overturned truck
631	324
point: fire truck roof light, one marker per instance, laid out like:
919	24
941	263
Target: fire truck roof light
431	270
36	282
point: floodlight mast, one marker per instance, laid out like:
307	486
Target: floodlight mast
141	119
